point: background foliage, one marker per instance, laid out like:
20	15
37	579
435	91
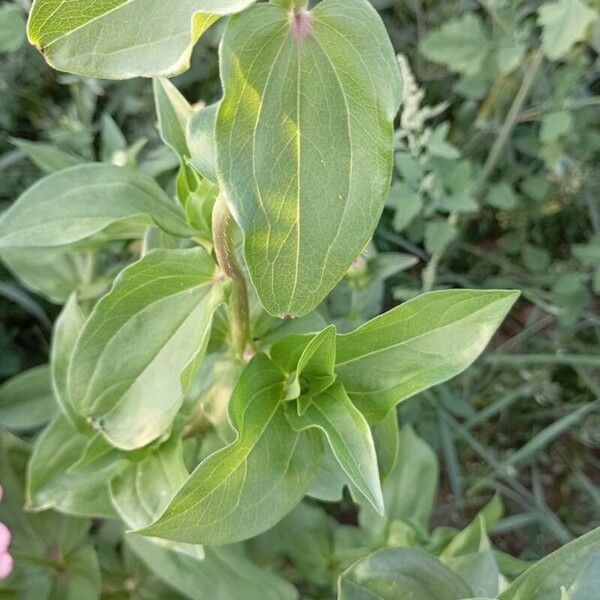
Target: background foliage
496	186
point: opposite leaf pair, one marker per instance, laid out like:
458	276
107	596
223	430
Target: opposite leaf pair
280	400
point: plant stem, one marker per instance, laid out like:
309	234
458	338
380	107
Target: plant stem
531	72
239	314
295	5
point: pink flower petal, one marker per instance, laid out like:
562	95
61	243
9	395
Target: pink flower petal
5	538
6	565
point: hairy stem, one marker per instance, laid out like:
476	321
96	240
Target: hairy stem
239	318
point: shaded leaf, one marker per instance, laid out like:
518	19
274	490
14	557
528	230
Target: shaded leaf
26	401
574	566
50	484
410	489
401	574
74	204
224	573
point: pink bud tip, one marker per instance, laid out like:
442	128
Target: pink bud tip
6	565
5	537
301	26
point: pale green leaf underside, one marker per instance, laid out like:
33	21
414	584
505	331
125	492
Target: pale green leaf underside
67	328
119	39
421	343
52	272
51	485
173	112
409	490
349	436
127	367
200	137
399	573
143	489
26	401
304	143
224	574
248	486
76	203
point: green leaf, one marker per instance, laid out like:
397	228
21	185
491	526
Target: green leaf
113	145
224	574
536	258
386	436
52	272
470	553
97	38
310	358
173	112
407	205
134	358
349	436
574	566
330	479
48	158
74	204
439	234
248	486
304	142
141	491
401	574
26	401
555	125
77	577
67	328
462	45
470	538
200	137
421	343
564	23
479	570
409	491
50	484
502	197
304	537
12	28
